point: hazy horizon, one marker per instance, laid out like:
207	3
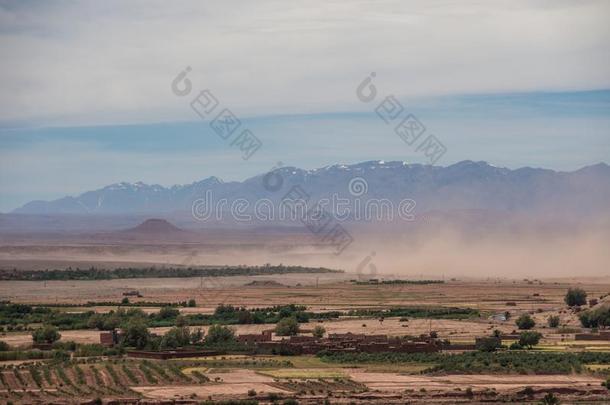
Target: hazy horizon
101	93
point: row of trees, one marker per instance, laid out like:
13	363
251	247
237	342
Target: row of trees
224	314
94	273
19	315
596	316
418	312
574	297
526	322
290	327
527	339
523	362
136	334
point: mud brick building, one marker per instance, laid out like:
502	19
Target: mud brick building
252	338
338	343
603	335
110	338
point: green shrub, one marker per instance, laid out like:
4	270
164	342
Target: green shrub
528	391
515	346
550	399
60	356
481	362
168	312
25	355
89	350
593	318
553	321
287	327
525	321
488	344
575	297
46	334
175	337
529	338
219	335
135	334
319	332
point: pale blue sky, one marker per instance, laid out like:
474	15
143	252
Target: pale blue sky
86	97
562	131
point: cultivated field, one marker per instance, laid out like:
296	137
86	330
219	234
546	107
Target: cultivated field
310	379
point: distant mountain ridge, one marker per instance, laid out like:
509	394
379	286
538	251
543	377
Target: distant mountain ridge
465	185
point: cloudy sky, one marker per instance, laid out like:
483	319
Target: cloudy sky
86	87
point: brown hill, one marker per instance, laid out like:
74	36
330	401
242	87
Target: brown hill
155	229
264	283
155	226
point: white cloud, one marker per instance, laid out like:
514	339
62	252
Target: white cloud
112	62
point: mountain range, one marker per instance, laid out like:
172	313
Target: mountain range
466	185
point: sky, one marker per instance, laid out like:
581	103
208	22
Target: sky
87	94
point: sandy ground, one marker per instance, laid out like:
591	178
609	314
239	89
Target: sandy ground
208	291
317	291
398	382
235	382
79	336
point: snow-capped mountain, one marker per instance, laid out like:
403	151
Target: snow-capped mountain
463	186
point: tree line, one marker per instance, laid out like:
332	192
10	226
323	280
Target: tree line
22	315
518	362
94	273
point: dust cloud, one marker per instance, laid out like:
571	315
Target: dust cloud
515	248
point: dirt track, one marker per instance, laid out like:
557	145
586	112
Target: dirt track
235	382
397	382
